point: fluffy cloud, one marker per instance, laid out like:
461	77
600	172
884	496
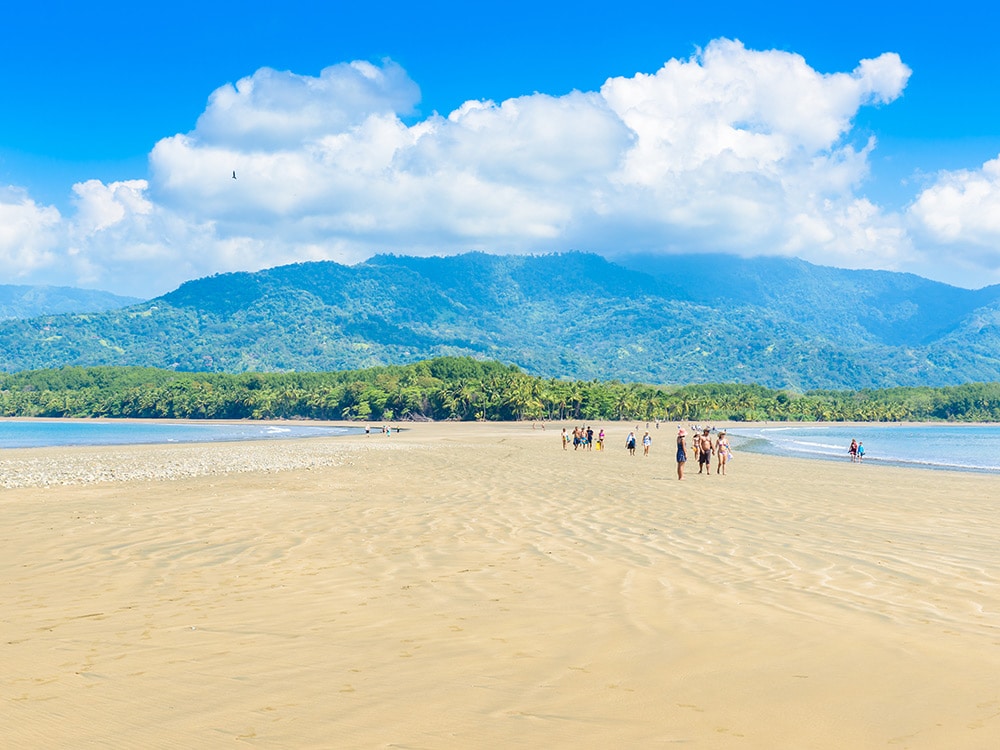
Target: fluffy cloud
29	235
100	206
276	109
957	219
729	150
745	151
962	207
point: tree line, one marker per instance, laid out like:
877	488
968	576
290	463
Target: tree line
459	388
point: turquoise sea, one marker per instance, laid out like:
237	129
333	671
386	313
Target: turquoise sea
54	432
930	446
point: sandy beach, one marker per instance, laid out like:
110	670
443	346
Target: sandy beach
475	586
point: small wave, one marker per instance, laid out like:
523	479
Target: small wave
951	465
812	446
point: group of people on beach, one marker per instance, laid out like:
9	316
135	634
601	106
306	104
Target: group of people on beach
703	446
583	438
630	442
856	451
384	430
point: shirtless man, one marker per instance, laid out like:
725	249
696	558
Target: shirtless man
704	452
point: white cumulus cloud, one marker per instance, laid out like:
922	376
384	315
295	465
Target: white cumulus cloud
962	206
29	235
731	149
101	206
957	217
745	151
273	109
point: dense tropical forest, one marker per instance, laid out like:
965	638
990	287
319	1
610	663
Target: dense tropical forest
458	388
777	322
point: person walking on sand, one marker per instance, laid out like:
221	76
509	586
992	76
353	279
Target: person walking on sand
722	452
565	438
681	453
704	452
630	443
861	451
853	451
646	442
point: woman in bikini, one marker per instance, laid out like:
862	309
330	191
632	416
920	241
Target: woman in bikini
722	451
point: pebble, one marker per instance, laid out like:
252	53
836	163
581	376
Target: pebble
72	466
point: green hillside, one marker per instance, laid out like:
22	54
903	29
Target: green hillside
685	319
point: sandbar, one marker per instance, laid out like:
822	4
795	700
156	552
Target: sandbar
474	585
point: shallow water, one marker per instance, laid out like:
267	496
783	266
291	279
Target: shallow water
932	446
54	433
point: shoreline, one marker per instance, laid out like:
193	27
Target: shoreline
82	464
920	445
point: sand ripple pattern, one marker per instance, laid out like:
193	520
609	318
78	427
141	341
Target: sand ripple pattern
476	586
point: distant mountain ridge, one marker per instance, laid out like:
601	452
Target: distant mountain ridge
895	308
21	301
782	323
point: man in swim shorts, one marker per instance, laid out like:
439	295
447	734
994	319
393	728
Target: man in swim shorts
704	452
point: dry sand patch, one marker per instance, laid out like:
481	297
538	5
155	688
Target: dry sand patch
474	585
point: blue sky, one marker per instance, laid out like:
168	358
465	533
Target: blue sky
107	116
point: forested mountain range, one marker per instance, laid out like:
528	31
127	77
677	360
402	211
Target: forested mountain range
780	323
22	301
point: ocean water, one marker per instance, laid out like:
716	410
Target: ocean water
930	446
54	432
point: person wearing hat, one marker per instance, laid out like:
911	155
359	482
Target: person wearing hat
681	453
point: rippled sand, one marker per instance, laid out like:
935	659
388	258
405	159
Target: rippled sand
460	586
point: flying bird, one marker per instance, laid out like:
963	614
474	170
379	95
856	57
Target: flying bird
234	174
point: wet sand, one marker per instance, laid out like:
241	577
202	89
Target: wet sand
461	586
